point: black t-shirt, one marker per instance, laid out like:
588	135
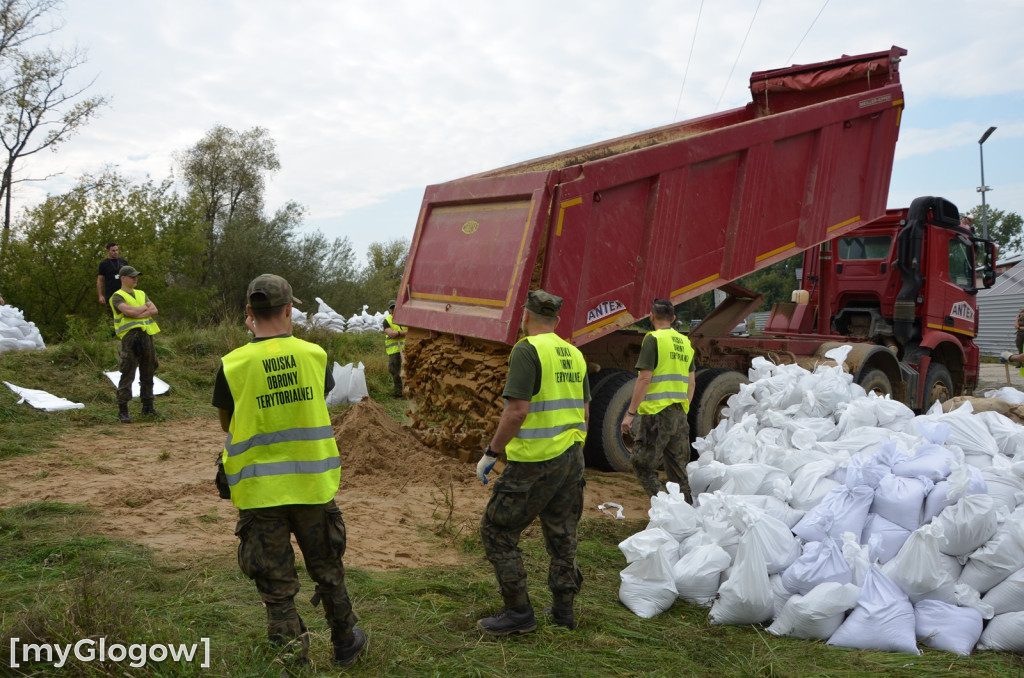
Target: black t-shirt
222	398
109	269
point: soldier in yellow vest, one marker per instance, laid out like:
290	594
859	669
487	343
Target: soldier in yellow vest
282	466
394	343
541	432
135	325
656	416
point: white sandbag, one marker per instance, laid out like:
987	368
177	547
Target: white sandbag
671	512
890	535
698	574
858	557
746	597
843	509
1001	555
883	619
865	469
652	540
918	570
695	540
1004	632
342	380
780	594
947	627
818	614
820	562
1005	486
773	506
963	480
1007	393
357	387
746	479
811	483
1008	434
770	536
967	431
901	500
967	524
1007	595
932	461
647	586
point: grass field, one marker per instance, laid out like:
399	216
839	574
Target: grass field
61	583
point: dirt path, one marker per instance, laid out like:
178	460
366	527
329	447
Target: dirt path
401	501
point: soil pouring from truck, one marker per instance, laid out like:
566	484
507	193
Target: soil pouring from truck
675	212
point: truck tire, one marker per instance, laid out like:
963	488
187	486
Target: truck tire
877	381
711	392
605	449
938	385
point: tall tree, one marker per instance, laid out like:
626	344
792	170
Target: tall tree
383	273
39	108
1005	229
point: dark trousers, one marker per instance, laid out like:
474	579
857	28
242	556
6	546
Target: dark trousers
551	490
395	368
265	555
661	437
137	351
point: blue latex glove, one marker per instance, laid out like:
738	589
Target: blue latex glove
486	463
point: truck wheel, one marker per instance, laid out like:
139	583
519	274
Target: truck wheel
605	448
938	385
711	392
877	381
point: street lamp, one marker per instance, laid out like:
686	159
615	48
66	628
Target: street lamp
983	188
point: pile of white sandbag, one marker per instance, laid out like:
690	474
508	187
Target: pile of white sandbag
15	333
329	319
837	515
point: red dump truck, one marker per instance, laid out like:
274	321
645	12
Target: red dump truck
672	212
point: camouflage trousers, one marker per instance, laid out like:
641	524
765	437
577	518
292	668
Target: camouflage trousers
265	555
395	369
552	491
137	351
661	437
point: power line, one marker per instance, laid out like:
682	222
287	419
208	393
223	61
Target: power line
689	58
722	95
790	59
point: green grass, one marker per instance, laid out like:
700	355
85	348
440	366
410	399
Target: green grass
60	582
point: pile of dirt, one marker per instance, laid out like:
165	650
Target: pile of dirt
376	450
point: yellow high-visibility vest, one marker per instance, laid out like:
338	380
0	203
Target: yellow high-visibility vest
280	447
124	324
393	345
556	419
670	380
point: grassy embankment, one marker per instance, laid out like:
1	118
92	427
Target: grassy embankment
60	582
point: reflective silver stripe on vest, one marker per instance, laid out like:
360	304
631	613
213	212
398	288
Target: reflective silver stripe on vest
666	395
288	436
549	405
133	325
671	377
281	468
550	432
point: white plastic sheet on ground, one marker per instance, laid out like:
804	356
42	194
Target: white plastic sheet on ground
160	386
41	400
907	510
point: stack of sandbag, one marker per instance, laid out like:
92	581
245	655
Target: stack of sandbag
838	515
326	318
364	322
15	333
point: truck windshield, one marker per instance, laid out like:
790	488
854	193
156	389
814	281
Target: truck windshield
864	247
961	270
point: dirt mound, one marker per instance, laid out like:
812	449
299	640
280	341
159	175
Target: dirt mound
377	450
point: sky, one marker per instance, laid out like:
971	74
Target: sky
370	102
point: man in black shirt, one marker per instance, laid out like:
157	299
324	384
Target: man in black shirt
107	280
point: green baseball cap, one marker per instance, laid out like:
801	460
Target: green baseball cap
543	303
269	291
128	271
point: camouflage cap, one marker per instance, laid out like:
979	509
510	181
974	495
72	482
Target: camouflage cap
269	290
542	303
128	271
391	304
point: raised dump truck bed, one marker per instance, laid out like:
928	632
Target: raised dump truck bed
674	211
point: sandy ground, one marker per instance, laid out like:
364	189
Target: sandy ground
402	502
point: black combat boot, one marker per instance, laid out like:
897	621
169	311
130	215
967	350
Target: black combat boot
509	621
148	411
348	653
122	414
